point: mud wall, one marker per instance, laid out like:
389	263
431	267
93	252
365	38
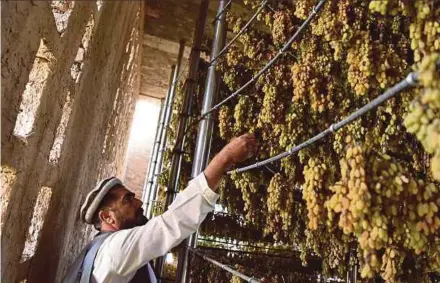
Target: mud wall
70	75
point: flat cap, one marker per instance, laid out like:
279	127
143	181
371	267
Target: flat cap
95	197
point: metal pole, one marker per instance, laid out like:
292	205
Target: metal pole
163	140
153	159
352	267
205	130
227	268
410	81
150	181
177	156
211	90
168	112
352	274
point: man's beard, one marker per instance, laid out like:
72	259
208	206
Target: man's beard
140	220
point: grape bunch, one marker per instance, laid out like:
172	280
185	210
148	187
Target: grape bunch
423	119
373	185
313	191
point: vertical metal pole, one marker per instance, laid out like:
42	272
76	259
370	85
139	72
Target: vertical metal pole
186	104
150	181
153	158
205	131
211	89
177	157
169	110
163	141
352	271
355	273
150	184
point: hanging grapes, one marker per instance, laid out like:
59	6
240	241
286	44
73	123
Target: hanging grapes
373	185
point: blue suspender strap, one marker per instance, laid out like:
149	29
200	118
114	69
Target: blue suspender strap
87	267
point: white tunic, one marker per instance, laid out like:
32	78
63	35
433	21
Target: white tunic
125	251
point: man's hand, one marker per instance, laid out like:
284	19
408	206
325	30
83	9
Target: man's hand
238	150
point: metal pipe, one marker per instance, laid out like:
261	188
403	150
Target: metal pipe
225	267
304	25
355	273
211	90
168	112
220	13
286	46
161	260
241	245
409	81
352	273
153	159
205	128
149	185
177	157
262	5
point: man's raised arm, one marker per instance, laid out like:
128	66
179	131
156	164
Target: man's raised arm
128	250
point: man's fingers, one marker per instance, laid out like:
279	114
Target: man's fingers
248	136
252	144
254	150
243	147
251	148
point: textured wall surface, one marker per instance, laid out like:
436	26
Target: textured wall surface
69	81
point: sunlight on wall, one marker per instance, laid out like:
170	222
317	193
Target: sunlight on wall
140	143
144	123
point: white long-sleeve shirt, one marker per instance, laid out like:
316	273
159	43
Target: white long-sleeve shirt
125	251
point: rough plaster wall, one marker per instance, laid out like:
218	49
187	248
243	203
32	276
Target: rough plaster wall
101	103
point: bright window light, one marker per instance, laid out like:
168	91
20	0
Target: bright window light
169	258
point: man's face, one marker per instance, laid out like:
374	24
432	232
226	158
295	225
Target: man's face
127	209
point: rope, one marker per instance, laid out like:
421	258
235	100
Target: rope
409	81
225	267
262	5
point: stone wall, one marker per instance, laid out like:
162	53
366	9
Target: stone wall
69	81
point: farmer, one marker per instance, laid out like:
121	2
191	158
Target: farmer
127	241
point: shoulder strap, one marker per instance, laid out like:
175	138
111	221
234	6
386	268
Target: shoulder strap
87	266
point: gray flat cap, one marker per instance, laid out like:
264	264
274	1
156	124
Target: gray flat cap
95	197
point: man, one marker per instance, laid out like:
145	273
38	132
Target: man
128	241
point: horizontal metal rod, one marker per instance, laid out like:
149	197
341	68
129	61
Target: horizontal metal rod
263	3
161	172
314	261
225	267
409	81
242	245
